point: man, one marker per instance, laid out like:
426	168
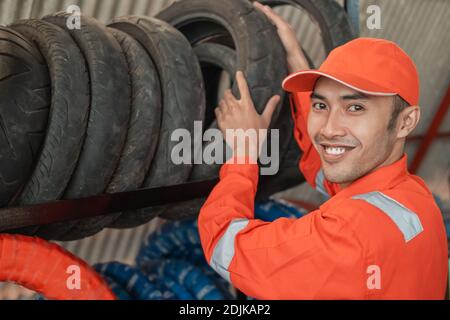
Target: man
380	235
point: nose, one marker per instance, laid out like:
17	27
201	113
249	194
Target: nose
333	126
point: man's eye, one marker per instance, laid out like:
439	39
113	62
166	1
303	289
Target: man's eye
355	108
319	106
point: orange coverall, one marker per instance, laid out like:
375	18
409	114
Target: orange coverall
383	237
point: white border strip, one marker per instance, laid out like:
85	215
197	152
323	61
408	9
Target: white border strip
224	251
406	220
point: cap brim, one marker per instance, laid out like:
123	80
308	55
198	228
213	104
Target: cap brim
302	81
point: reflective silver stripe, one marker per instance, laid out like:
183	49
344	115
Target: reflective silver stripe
406	220
224	250
320	179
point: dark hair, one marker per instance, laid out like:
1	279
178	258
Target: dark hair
399	105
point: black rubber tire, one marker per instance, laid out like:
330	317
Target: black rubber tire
183	101
145	120
68	113
214	59
143	132
24	106
335	27
217	55
217	58
238	24
108	120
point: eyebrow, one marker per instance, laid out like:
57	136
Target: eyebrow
356	96
317	96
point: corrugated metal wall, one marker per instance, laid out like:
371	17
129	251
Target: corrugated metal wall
421	28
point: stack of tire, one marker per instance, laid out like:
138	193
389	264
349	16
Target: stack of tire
90	110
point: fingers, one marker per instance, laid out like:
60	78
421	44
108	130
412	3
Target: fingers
230	98
221	109
270	108
273	17
243	87
218	113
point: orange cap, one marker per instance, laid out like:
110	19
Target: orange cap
368	65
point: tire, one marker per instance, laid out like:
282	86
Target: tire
335	27
108	120
25	90
217	57
238	24
214	59
143	132
145	120
183	101
67	118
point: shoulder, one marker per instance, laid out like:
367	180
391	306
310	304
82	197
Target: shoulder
379	216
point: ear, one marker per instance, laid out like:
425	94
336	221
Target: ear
408	120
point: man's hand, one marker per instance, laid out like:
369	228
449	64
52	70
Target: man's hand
233	114
294	54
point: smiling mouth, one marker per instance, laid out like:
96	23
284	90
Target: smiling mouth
335	152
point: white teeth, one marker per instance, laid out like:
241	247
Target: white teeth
334	150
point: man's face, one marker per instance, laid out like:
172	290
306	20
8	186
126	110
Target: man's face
349	130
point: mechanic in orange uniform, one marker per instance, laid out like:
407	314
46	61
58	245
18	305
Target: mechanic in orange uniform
380	235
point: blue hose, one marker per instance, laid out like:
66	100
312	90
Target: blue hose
118	290
188	276
171	263
134	281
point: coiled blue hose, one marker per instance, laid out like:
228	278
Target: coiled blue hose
134	281
188	276
171	264
118	290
